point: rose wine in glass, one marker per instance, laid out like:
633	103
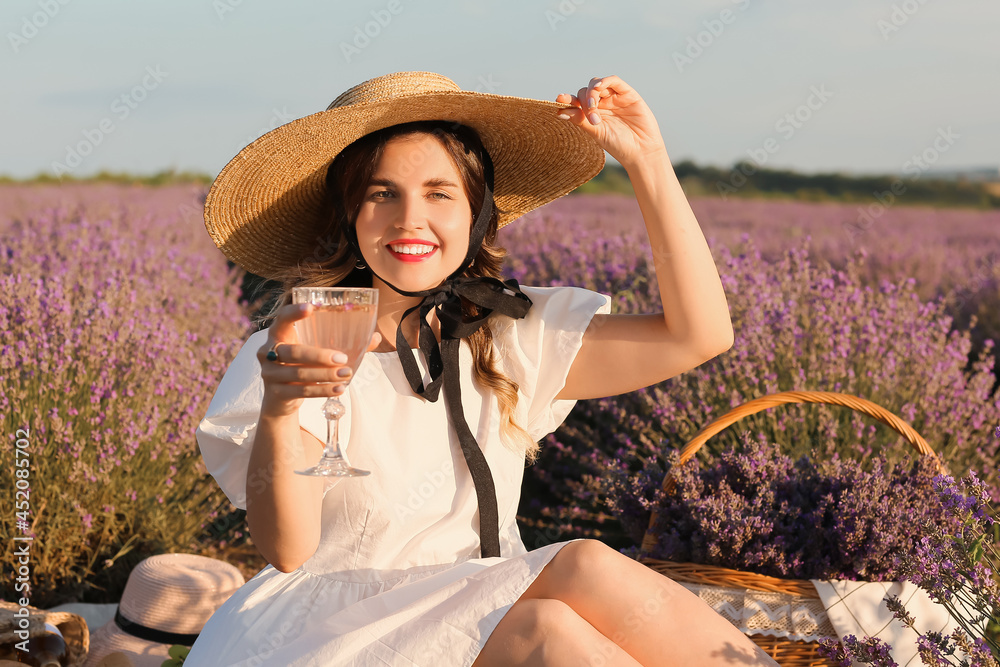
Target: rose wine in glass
343	319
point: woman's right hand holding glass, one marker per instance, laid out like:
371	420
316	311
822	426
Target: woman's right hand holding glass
299	371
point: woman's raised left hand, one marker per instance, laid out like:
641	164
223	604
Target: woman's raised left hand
626	127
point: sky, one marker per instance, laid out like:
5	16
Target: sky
856	86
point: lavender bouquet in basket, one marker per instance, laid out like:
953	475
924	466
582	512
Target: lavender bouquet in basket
757	510
958	568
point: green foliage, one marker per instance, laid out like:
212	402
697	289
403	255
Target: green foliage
746	179
177	655
613	178
164	177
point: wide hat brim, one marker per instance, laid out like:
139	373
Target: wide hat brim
265	207
110	639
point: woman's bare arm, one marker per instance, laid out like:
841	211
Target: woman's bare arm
622	353
283	508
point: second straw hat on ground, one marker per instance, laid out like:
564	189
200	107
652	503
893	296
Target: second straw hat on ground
167	600
264	208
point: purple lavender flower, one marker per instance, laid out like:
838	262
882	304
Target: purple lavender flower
870	650
934	649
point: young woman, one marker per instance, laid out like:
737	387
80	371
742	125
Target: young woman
402	185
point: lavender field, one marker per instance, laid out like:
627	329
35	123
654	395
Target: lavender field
903	313
119	316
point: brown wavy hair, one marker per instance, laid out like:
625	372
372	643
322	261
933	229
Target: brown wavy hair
333	261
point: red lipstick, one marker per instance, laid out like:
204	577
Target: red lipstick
409	256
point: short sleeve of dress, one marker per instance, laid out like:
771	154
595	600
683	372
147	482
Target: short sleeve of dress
538	350
225	435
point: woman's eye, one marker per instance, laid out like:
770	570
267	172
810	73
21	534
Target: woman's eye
386	194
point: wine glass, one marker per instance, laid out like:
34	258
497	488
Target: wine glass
343	319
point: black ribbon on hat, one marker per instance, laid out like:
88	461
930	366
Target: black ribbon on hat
152	634
490	295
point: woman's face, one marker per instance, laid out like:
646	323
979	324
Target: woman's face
414	223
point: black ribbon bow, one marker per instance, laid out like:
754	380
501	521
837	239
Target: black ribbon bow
490	295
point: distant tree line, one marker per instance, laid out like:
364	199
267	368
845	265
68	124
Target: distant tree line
743	179
746	179
165	177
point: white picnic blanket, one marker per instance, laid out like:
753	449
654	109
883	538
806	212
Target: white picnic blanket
858	608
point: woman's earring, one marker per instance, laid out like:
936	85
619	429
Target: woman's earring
359	265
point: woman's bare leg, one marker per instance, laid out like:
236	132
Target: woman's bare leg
547	632
655	620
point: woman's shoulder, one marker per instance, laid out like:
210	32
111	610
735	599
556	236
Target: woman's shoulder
537	351
554	311
555	304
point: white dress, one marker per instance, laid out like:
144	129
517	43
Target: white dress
396	578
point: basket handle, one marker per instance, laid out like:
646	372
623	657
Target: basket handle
763	403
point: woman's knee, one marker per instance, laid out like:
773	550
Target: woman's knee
533	620
583	561
533	631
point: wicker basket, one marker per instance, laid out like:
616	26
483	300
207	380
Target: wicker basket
788	653
73	628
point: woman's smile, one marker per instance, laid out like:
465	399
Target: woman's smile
411	250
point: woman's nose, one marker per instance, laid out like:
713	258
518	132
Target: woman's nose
412	212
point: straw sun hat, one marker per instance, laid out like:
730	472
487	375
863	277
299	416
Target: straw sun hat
167	600
264	208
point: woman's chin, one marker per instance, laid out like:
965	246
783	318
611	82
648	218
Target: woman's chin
409	284
408	280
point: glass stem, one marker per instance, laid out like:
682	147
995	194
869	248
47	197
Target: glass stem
332	450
